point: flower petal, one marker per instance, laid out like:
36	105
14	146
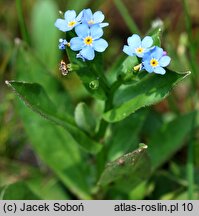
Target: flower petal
128	50
147	42
79	17
82	30
98	17
61	24
156	52
102	25
80	56
100	45
146	56
96	31
87	15
164	61
134	41
159	70
69	15
76	44
147	66
88	53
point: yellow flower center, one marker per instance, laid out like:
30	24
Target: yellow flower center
88	40
154	62
90	22
139	50
71	23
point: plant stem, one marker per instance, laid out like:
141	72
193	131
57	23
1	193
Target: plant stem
101	157
126	16
108	106
103	123
192	59
190	171
190	156
22	24
190	161
193	65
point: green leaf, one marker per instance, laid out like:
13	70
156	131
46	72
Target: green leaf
127	171
52	144
115	68
44	34
124	141
36	99
30	69
156	36
129	63
41	183
89	72
169	139
47	188
150	90
84	118
18	191
77	5
57	149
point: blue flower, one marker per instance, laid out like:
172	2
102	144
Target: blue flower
62	44
81	57
90	19
69	22
155	59
136	46
88	41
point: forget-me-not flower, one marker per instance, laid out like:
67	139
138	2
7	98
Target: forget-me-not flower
69	22
155	59
81	57
62	44
136	46
88	41
90	19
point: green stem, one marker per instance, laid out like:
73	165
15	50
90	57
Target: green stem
22	24
108	106
126	16
101	157
193	65
192	49
190	171
104	124
190	161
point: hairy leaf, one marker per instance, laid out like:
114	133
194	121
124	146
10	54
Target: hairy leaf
84	118
35	97
127	171
150	90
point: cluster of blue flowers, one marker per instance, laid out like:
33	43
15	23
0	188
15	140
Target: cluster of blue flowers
89	30
153	58
88	27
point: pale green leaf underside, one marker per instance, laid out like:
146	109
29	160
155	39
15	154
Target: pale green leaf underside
128	170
